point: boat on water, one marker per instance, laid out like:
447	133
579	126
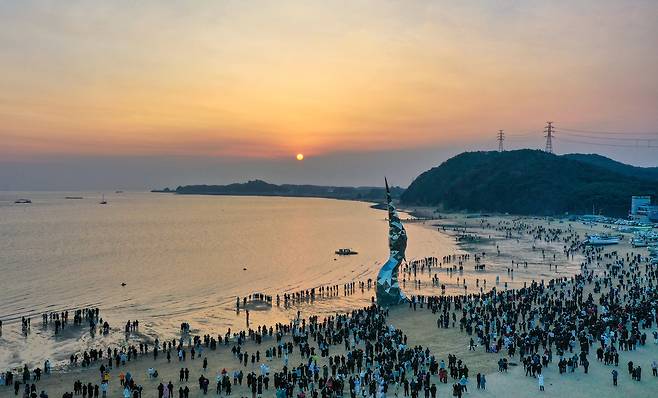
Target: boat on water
103	201
74	197
602	239
345	252
22	201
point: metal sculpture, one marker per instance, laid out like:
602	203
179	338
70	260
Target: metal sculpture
388	288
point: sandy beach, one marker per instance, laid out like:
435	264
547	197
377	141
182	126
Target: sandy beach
328	199
420	327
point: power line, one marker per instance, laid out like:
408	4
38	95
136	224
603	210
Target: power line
594	137
608	132
606	144
521	135
549	137
585	137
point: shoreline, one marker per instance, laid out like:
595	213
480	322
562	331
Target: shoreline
417	325
283	312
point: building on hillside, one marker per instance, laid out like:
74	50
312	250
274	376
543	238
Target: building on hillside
642	210
639	201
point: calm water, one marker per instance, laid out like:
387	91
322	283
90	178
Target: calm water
182	259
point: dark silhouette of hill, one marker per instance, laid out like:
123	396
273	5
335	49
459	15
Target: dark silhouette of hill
649	173
529	182
262	188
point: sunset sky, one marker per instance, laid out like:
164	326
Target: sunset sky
140	94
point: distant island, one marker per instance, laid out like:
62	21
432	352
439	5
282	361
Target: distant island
532	182
262	188
529	182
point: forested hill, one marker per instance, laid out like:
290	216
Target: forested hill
649	173
531	182
262	188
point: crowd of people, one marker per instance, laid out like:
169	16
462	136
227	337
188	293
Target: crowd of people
604	310
610	304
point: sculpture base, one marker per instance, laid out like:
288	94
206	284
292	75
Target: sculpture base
388	288
389	297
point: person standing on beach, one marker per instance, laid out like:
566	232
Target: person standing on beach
463	381
614	377
104	386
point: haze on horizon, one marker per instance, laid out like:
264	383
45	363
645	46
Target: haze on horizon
139	95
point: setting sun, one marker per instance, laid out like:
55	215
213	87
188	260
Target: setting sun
300	156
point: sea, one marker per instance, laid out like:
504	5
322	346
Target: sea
165	259
182	258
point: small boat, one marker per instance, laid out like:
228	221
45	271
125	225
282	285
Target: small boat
345	252
118	191
74	197
22	201
639	242
603	239
103	201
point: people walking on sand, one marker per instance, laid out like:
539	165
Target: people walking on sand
615	374
593	309
463	382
